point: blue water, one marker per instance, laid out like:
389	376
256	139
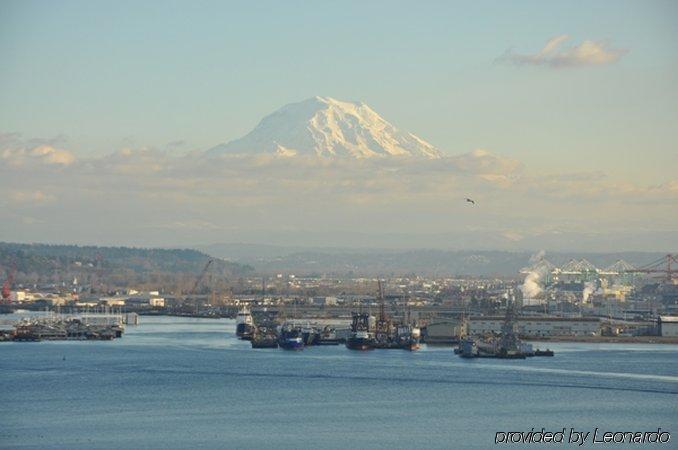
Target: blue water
188	383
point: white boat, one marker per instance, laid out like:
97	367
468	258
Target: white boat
244	327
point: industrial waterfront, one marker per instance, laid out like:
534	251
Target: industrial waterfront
180	382
575	300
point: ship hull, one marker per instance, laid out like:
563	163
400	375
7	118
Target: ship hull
244	331
412	346
264	343
328	342
286	344
359	344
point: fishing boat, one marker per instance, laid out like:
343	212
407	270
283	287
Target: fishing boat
360	337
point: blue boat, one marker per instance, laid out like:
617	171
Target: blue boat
290	338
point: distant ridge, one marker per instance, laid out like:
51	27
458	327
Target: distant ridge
272	259
121	266
326	127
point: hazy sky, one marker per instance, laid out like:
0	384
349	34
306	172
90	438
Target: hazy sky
580	95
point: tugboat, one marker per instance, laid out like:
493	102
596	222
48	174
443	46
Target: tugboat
244	328
360	337
506	346
468	348
264	337
290	338
408	337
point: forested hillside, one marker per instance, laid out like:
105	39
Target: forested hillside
111	266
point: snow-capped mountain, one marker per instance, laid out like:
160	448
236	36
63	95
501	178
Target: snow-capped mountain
324	126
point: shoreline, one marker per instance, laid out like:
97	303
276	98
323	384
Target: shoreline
607	339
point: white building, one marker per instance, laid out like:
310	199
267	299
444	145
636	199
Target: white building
18	296
145	300
668	326
113	301
538	326
446	331
156	302
324	301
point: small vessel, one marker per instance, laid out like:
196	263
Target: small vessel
505	346
328	336
408	337
468	348
264	337
290	338
244	327
360	337
310	335
390	334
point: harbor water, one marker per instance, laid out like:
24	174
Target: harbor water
189	383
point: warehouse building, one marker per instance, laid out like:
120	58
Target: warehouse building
668	326
538	326
446	331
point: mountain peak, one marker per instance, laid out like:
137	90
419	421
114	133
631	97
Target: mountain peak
327	127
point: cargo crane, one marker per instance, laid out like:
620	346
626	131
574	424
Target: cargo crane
97	284
198	281
659	266
383	322
7	285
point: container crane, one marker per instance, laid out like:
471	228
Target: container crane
659	266
198	280
7	285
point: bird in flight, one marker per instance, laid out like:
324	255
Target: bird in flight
469	200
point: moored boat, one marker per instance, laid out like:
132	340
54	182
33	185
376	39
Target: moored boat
290	338
328	336
310	335
244	327
507	345
360	337
264	337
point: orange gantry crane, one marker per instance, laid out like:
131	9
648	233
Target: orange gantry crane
662	266
7	285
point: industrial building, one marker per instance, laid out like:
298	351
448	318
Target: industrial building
668	326
446	331
538	326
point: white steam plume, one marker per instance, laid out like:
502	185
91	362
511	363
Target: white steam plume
532	285
589	288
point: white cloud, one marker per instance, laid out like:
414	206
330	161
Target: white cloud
30	197
191	225
488	166
555	55
147	194
44	155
